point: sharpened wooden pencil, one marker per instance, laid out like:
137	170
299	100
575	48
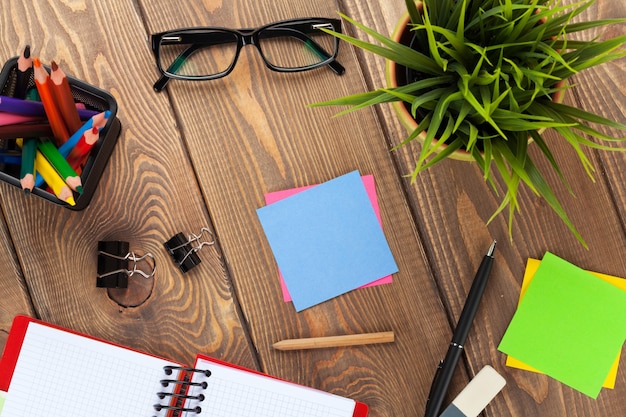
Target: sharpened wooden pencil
7	119
334	341
27	169
53	179
99	120
29	107
24	71
80	152
63	97
42	81
36	129
60	164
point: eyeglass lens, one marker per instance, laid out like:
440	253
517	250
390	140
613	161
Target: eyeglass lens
198	52
212	52
289	48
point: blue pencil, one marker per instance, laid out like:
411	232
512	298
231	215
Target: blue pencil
67	147
10	157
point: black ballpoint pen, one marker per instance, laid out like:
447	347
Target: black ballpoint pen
446	368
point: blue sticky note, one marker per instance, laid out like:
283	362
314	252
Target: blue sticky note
327	240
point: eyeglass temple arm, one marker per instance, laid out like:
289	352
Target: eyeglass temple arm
176	64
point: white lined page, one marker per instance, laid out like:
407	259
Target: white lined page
60	373
233	392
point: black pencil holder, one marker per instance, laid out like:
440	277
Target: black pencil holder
92	98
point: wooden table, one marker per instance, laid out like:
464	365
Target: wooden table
202	154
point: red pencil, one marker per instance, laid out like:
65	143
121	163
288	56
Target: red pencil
63	97
80	152
42	81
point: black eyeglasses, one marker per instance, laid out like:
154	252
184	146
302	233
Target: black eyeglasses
207	53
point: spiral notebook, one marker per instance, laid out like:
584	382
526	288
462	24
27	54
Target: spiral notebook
50	371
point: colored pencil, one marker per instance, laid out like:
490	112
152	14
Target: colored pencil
22	107
54	180
10	157
33	94
80	152
38	129
63	96
60	164
27	169
42	81
34	108
14	119
99	121
24	71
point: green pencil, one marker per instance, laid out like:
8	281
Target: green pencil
27	170
60	164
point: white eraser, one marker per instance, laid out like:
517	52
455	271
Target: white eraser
477	394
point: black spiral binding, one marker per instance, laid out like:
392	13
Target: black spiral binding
179	395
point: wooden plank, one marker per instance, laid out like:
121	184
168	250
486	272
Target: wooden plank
602	87
203	154
146	194
251	133
15	297
452	198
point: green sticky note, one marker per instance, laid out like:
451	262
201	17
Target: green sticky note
2	397
570	325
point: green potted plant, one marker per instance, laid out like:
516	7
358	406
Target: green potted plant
480	81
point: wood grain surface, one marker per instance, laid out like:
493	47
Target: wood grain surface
203	154
454	193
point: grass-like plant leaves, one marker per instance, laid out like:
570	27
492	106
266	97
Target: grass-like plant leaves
487	72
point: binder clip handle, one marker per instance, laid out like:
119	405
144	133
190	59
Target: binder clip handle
183	250
132	257
113	260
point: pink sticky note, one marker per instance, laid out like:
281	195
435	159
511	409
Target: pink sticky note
368	182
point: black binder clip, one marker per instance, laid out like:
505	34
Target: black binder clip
182	250
113	258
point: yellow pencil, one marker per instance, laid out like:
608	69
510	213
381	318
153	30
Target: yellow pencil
53	179
334	341
60	164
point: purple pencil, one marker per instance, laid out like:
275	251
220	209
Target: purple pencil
34	108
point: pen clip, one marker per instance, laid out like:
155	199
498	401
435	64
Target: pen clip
434	383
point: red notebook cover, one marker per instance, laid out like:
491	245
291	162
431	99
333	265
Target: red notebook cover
16	339
18	332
